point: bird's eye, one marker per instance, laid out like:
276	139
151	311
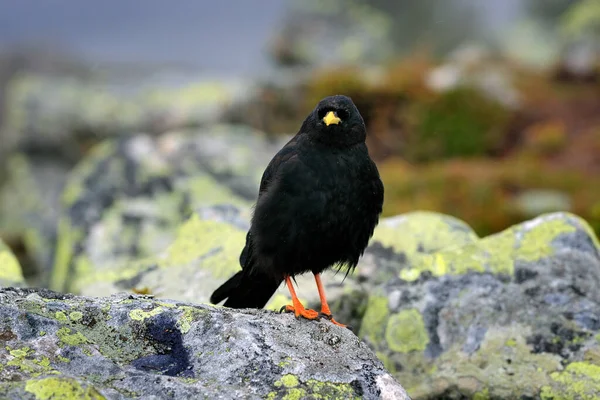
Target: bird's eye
342	114
322	112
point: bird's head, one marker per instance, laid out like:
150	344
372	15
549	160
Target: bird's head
335	121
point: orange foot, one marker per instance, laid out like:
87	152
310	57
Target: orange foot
300	311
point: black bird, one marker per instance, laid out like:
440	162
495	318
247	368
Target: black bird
319	201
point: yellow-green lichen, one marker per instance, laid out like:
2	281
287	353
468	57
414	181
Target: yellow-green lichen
25	360
291	388
505	371
418	231
497	253
75	316
71	339
483	395
287	381
67	237
406	331
374	319
205	191
10	270
187	317
61	317
140	315
580	380
216	243
61	389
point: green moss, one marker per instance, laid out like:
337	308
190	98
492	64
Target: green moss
406	332
580	380
75	316
61	389
71	339
140	315
374	319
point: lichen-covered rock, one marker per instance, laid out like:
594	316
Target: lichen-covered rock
126	200
203	255
66	111
512	315
29	209
10	270
119	347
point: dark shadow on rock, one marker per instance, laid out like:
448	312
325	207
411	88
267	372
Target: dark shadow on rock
172	358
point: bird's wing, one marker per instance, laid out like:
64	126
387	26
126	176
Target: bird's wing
283	155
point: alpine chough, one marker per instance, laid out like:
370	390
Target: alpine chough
319	201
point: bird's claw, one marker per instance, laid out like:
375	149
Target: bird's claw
327	316
301	312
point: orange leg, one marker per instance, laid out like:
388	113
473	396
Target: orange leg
324	306
297	308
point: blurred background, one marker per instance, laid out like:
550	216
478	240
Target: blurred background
487	111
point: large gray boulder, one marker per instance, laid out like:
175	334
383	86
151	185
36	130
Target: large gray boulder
126	200
57	346
512	315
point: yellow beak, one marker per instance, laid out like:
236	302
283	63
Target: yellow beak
331	118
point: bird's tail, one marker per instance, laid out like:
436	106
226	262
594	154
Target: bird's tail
246	290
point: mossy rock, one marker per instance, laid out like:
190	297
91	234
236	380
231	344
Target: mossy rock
10	270
58	346
203	255
511	315
126	200
29	207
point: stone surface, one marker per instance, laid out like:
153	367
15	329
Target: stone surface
10	270
29	210
118	347
512	315
65	112
126	200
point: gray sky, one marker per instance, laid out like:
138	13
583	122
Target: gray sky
224	36
227	36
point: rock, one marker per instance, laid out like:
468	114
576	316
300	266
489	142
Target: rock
512	315
203	255
125	201
537	201
64	112
118	347
10	270
29	210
